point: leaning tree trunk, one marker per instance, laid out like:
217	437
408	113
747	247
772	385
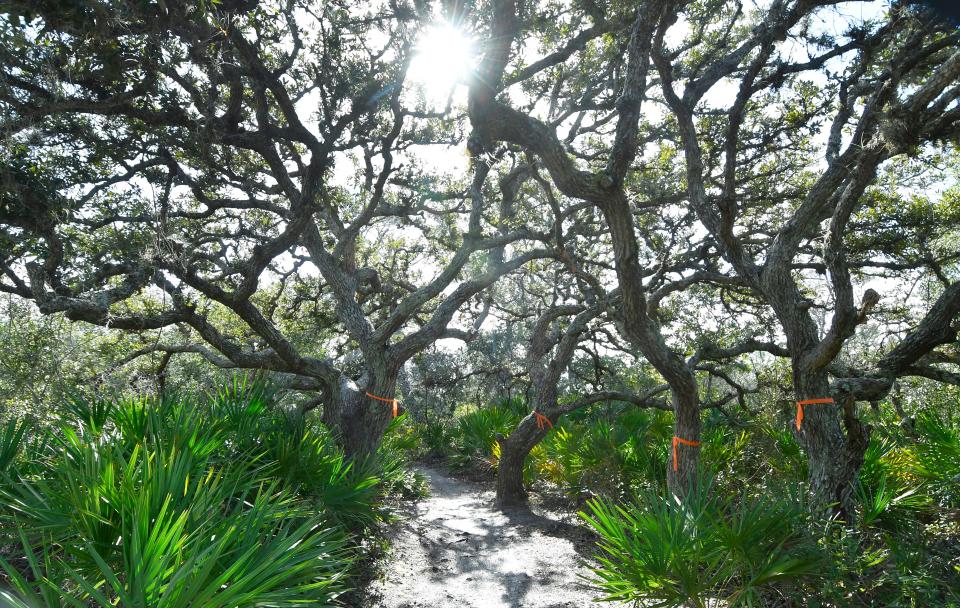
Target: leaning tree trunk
834	460
513	454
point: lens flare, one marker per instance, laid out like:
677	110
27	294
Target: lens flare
442	60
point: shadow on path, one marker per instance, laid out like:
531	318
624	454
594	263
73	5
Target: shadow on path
454	549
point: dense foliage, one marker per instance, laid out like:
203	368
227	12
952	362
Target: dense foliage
228	500
746	536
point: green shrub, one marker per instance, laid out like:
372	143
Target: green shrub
937	456
401	436
436	437
396	477
225	501
611	457
11	439
476	434
888	497
700	550
779	452
228	540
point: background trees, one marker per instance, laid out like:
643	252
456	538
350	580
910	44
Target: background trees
871	107
795	94
259	185
611	246
176	166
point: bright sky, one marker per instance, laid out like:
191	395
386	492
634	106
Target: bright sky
445	55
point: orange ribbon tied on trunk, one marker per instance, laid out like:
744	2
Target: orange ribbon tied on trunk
804	402
677	441
395	402
542	421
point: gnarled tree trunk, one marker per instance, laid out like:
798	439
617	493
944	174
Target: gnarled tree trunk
834	458
513	454
357	420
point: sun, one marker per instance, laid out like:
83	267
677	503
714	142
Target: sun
443	57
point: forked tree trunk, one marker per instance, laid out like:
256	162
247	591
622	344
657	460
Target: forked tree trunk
513	454
833	458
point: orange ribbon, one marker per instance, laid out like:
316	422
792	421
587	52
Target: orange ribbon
395	402
542	420
800	405
677	441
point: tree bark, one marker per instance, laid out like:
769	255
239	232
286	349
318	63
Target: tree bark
513	454
834	460
642	330
357	420
686	427
545	372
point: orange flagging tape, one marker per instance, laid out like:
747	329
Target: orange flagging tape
542	421
800	405
677	441
395	402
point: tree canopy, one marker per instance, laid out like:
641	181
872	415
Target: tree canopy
681	186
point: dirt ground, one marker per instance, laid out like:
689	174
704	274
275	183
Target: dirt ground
454	550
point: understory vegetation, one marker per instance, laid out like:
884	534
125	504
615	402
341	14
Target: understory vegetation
233	499
745	536
222	500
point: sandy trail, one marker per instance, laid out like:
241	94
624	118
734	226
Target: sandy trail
455	550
